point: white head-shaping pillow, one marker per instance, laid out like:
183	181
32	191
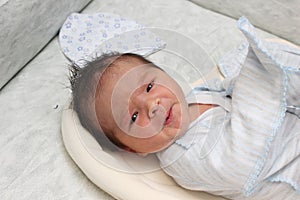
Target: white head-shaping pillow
122	175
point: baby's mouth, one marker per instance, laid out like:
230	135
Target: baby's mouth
169	117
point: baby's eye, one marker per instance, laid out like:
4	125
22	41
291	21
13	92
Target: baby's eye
134	117
150	85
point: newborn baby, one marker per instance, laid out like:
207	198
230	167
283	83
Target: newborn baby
240	140
139	107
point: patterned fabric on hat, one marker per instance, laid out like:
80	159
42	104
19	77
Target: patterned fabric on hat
85	36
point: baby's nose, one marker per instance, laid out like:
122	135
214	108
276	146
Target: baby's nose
153	106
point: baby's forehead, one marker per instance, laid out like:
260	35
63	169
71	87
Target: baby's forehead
124	65
131	62
118	69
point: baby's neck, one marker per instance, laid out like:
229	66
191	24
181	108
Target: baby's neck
197	109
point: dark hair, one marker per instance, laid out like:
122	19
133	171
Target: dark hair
84	82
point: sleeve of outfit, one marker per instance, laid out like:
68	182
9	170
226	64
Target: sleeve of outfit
249	146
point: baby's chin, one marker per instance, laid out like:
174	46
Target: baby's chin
168	141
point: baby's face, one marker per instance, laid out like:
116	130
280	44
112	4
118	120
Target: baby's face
143	106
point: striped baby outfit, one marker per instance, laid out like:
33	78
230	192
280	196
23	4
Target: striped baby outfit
248	147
